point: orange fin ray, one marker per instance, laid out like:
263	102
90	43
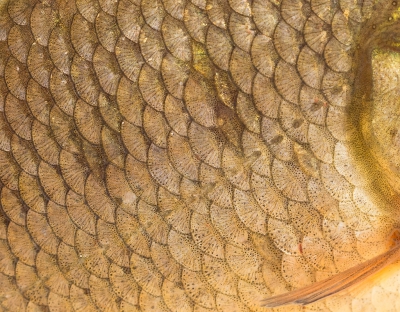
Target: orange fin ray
336	283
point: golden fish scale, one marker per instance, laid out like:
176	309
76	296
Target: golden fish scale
164	155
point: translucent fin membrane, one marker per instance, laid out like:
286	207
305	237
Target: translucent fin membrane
336	283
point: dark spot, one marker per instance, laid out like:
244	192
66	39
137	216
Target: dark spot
276	140
325	27
316	106
118	201
256	154
297	123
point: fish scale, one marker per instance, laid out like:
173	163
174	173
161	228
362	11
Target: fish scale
185	155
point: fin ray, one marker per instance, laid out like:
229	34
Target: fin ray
336	283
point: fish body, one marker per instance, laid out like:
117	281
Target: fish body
204	155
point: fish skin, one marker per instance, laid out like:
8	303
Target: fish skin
336	283
189	155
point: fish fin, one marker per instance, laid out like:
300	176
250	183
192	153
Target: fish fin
336	283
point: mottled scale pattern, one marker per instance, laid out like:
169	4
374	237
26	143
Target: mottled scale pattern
181	155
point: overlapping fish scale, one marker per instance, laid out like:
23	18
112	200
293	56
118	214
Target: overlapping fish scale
338	56
324	9
219	275
20	11
24	154
129	58
140	180
6	133
119	189
175	297
41	232
287	41
165	262
43	20
242	30
132	233
130	102
293	122
130	19
102	294
176	38
80	299
225	302
205	236
40	101
107	70
107	30
60	49
123	284
152	88
218	188
7	264
174	211
196	22
236	168
182	157
247	113
162	170
49	272
292	266
113	147
311	67
200	102
13	206
67	259
248	291
198	289
266	99
218	13
39	64
314	105
288	82
30	284
228	225
264	55
16	77
242	69
278	142
249	212
19	42
85	43
316	33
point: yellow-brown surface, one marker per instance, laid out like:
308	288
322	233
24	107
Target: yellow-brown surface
203	155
